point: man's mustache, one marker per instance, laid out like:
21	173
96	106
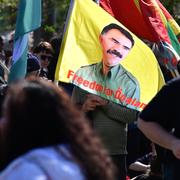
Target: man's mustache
114	52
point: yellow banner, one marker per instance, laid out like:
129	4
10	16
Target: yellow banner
81	46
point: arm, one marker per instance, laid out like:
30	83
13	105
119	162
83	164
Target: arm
160	136
85	101
120	113
112	110
78	96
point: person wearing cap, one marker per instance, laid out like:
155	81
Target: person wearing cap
33	69
33	65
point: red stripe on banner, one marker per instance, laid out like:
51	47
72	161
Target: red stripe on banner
127	13
107	7
154	21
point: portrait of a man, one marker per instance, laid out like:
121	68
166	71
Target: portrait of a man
108	78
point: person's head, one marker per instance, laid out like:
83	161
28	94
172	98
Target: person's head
45	52
33	66
37	113
116	43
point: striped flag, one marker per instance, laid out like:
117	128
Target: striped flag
28	19
148	19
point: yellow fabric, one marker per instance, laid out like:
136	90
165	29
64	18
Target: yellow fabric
80	46
174	26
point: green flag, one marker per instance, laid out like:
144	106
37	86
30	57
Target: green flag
28	19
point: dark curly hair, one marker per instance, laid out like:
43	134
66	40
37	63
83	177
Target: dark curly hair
39	114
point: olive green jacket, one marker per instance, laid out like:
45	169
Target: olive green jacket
119	86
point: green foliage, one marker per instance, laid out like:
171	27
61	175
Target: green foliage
49	29
8	10
53	14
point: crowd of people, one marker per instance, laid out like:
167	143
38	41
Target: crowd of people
64	132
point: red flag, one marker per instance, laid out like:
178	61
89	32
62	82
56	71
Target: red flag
128	13
148	19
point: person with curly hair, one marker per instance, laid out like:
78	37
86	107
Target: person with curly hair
46	137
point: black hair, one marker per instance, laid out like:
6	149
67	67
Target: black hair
122	30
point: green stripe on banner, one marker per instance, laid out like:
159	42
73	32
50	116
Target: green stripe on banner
173	38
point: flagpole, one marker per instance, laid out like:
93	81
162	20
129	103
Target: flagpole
68	16
65	27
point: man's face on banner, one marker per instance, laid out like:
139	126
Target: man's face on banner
115	46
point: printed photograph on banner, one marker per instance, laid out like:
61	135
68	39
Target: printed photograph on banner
108	78
88	52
